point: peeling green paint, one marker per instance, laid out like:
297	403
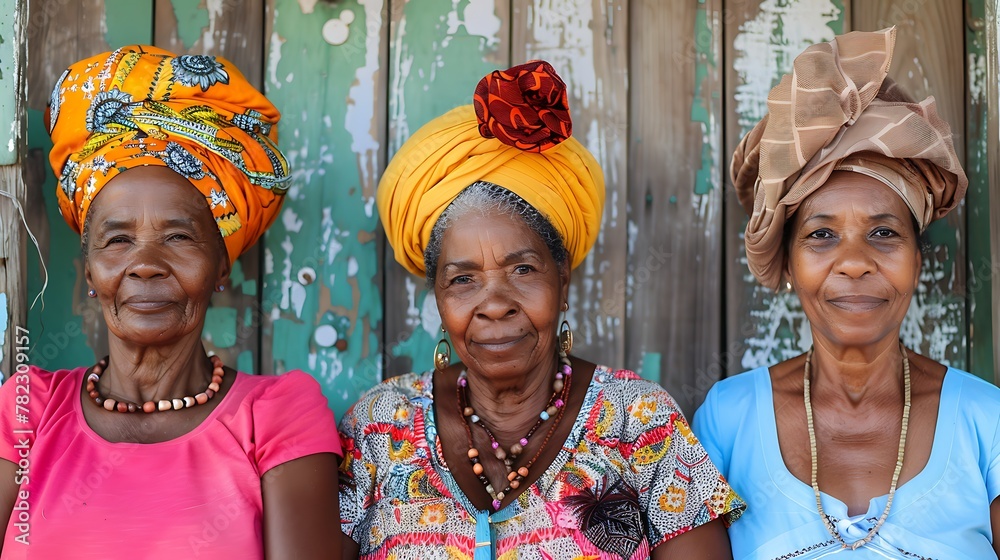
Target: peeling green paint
651	366
124	22
10	116
192	19
220	326
706	178
328	222
977	200
52	347
244	362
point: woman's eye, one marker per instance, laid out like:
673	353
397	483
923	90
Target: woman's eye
179	237
883	233
523	268
463	279
821	234
118	239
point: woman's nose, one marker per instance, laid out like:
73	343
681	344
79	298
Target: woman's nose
498	300
147	261
855	258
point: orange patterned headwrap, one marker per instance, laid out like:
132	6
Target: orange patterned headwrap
516	135
194	114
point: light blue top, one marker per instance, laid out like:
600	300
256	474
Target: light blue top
942	513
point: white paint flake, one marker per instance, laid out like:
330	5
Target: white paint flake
359	119
274	57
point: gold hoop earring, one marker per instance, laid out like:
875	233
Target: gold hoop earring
442	358
565	339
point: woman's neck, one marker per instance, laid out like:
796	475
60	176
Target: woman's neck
143	373
856	374
511	406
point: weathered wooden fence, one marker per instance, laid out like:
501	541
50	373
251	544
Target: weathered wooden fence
661	92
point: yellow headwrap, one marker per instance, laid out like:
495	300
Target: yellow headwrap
517	136
195	114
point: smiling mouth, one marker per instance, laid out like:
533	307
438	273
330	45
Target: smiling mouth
499	344
146	305
857	303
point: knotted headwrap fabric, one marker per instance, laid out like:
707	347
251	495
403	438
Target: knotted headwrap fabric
516	135
195	114
837	110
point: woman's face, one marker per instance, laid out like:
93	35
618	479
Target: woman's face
499	292
854	259
154	256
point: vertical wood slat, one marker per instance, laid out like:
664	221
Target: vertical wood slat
322	308
928	60
13	279
234	30
993	147
70	331
587	43
977	206
437	55
762	40
672	327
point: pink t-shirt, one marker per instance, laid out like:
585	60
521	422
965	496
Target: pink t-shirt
196	496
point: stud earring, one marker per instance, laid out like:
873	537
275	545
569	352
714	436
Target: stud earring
220	288
92	293
442	357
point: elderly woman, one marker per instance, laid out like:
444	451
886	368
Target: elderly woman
518	449
860	448
168	167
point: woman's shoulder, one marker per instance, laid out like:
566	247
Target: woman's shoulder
383	402
623	385
974	394
729	403
274	398
43	386
740	385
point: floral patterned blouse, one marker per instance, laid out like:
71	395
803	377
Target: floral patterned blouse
629	477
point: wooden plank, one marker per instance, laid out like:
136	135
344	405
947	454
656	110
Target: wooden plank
980	268
929	60
762	40
322	308
674	314
234	30
69	331
437	55
993	147
13	289
587	43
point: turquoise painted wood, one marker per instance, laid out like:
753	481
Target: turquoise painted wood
10	88
322	305
981	268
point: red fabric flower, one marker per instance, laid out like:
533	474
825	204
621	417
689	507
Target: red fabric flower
525	107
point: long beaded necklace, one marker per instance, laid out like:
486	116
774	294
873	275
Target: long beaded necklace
556	407
218	371
827	522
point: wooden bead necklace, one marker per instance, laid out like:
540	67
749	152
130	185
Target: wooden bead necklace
827	522
218	371
556	407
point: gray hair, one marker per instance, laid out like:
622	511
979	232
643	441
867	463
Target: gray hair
484	198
